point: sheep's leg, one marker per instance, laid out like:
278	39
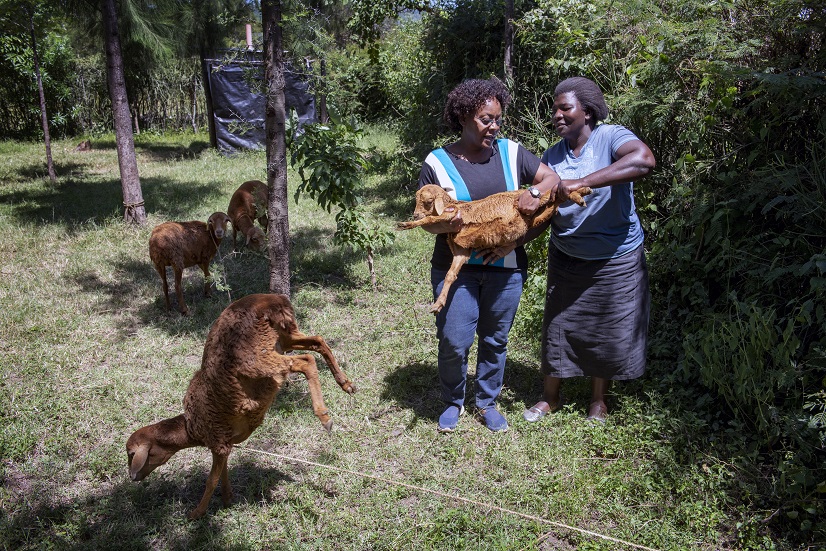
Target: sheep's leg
162	272
207	282
305	363
297	340
460	257
179	291
226	489
544	216
219	466
426	221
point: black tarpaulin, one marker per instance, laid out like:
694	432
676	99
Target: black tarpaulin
238	104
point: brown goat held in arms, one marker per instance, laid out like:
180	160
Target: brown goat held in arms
243	367
486	223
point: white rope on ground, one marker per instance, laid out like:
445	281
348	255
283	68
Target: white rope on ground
449	496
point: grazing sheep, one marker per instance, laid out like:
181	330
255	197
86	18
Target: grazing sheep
248	203
85	145
242	369
486	223
185	244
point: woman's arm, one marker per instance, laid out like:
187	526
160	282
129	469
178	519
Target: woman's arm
545	179
634	160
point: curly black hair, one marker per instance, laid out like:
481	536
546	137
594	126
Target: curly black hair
588	93
469	96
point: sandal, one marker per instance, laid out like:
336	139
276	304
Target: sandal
598	416
534	414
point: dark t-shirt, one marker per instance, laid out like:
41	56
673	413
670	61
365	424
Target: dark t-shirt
482	179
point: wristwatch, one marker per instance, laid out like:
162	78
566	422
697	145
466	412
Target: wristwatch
535	193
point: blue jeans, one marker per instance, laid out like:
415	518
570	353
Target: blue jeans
480	303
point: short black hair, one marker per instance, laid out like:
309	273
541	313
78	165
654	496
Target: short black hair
588	94
469	96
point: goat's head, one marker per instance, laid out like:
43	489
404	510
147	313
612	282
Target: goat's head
217	224
150	447
430	200
255	238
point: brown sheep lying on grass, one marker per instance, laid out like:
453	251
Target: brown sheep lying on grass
242	370
249	203
185	244
487	223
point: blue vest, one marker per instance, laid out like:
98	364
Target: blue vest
451	181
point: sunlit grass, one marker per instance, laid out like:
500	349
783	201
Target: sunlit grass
88	354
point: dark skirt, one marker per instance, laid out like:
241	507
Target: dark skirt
596	316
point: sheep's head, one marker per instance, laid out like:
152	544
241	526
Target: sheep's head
148	448
255	238
217	224
430	201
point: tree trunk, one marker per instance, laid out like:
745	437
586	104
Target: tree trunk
279	228
372	268
509	39
323	116
44	119
194	107
210	112
134	211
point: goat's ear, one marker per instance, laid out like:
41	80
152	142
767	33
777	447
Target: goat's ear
138	460
439	205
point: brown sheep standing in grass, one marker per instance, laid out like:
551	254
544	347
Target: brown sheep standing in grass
248	203
185	244
242	370
487	223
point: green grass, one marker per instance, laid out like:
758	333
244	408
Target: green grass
88	354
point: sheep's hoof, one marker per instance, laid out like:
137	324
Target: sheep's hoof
195	514
328	426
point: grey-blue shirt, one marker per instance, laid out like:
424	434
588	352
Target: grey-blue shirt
608	227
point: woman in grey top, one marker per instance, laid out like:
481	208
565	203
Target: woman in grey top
597	301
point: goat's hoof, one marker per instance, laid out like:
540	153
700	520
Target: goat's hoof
328	426
349	387
436	308
195	514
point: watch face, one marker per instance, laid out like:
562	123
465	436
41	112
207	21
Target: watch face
535	192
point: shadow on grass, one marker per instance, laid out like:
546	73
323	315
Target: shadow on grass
146	515
37	171
77	201
158	151
416	387
396	197
240	273
124	299
172	152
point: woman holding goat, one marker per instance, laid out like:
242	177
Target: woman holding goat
483	300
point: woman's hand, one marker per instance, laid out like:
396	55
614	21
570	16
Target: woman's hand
494	254
526	204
